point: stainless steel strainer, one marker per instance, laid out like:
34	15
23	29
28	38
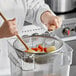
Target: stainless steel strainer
34	41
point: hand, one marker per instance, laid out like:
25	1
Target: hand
8	29
52	22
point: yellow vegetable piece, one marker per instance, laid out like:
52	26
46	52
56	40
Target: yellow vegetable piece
30	51
51	48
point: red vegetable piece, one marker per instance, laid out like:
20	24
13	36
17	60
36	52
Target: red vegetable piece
45	49
32	48
25	51
36	49
39	46
39	49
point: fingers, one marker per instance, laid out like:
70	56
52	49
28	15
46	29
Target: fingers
54	23
57	21
51	28
12	27
13	21
13	30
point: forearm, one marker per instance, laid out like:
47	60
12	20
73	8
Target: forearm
36	13
35	9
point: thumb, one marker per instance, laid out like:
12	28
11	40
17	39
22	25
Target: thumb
14	21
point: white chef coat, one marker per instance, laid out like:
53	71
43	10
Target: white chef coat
29	10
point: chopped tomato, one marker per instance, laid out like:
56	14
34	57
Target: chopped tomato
25	51
36	49
39	49
39	46
45	49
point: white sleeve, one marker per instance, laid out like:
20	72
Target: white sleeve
34	10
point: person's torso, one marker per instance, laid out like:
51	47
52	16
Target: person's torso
14	9
10	9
